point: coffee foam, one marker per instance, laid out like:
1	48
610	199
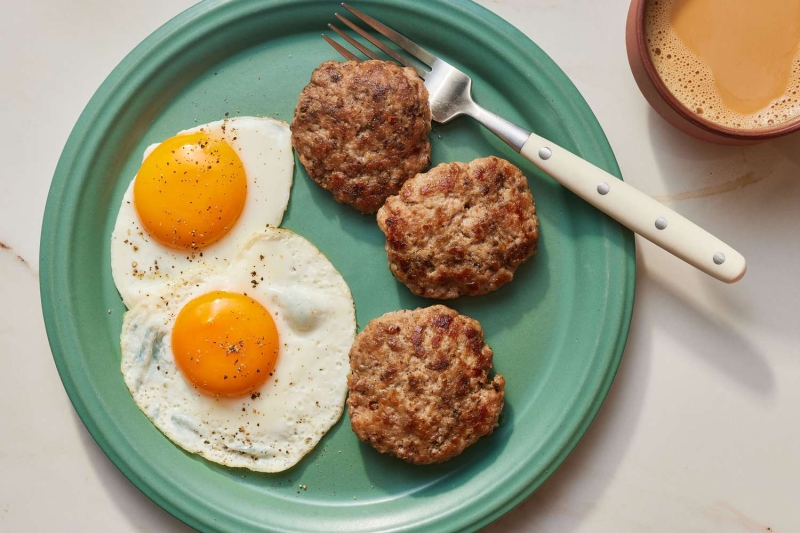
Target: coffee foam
692	82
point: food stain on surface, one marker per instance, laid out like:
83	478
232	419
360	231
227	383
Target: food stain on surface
729	514
729	186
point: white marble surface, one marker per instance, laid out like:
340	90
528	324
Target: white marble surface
700	432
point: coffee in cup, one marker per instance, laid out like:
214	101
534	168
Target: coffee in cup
732	62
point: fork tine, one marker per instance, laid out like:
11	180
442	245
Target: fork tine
386	50
403	42
361	48
339	48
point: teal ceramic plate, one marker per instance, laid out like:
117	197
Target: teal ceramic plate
558	330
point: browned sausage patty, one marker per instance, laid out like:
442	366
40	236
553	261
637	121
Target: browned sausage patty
419	388
460	229
361	130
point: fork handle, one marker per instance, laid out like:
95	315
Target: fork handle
637	211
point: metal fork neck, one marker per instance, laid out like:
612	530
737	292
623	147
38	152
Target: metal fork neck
515	136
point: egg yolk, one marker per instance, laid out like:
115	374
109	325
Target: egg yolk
225	343
190	191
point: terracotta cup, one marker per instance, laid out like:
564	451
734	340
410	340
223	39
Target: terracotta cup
667	105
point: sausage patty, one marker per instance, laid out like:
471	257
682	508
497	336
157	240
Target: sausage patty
361	130
460	229
419	385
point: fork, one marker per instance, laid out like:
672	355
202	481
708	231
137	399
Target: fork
450	95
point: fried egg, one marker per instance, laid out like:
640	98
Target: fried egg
245	366
196	199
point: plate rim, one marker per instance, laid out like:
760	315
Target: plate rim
57	210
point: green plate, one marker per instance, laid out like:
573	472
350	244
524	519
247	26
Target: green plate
558	330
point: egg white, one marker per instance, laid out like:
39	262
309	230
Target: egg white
140	265
272	429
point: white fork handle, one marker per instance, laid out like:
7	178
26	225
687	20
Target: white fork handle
634	209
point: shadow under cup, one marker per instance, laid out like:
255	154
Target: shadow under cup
669	107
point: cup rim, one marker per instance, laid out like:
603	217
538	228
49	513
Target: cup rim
687	114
